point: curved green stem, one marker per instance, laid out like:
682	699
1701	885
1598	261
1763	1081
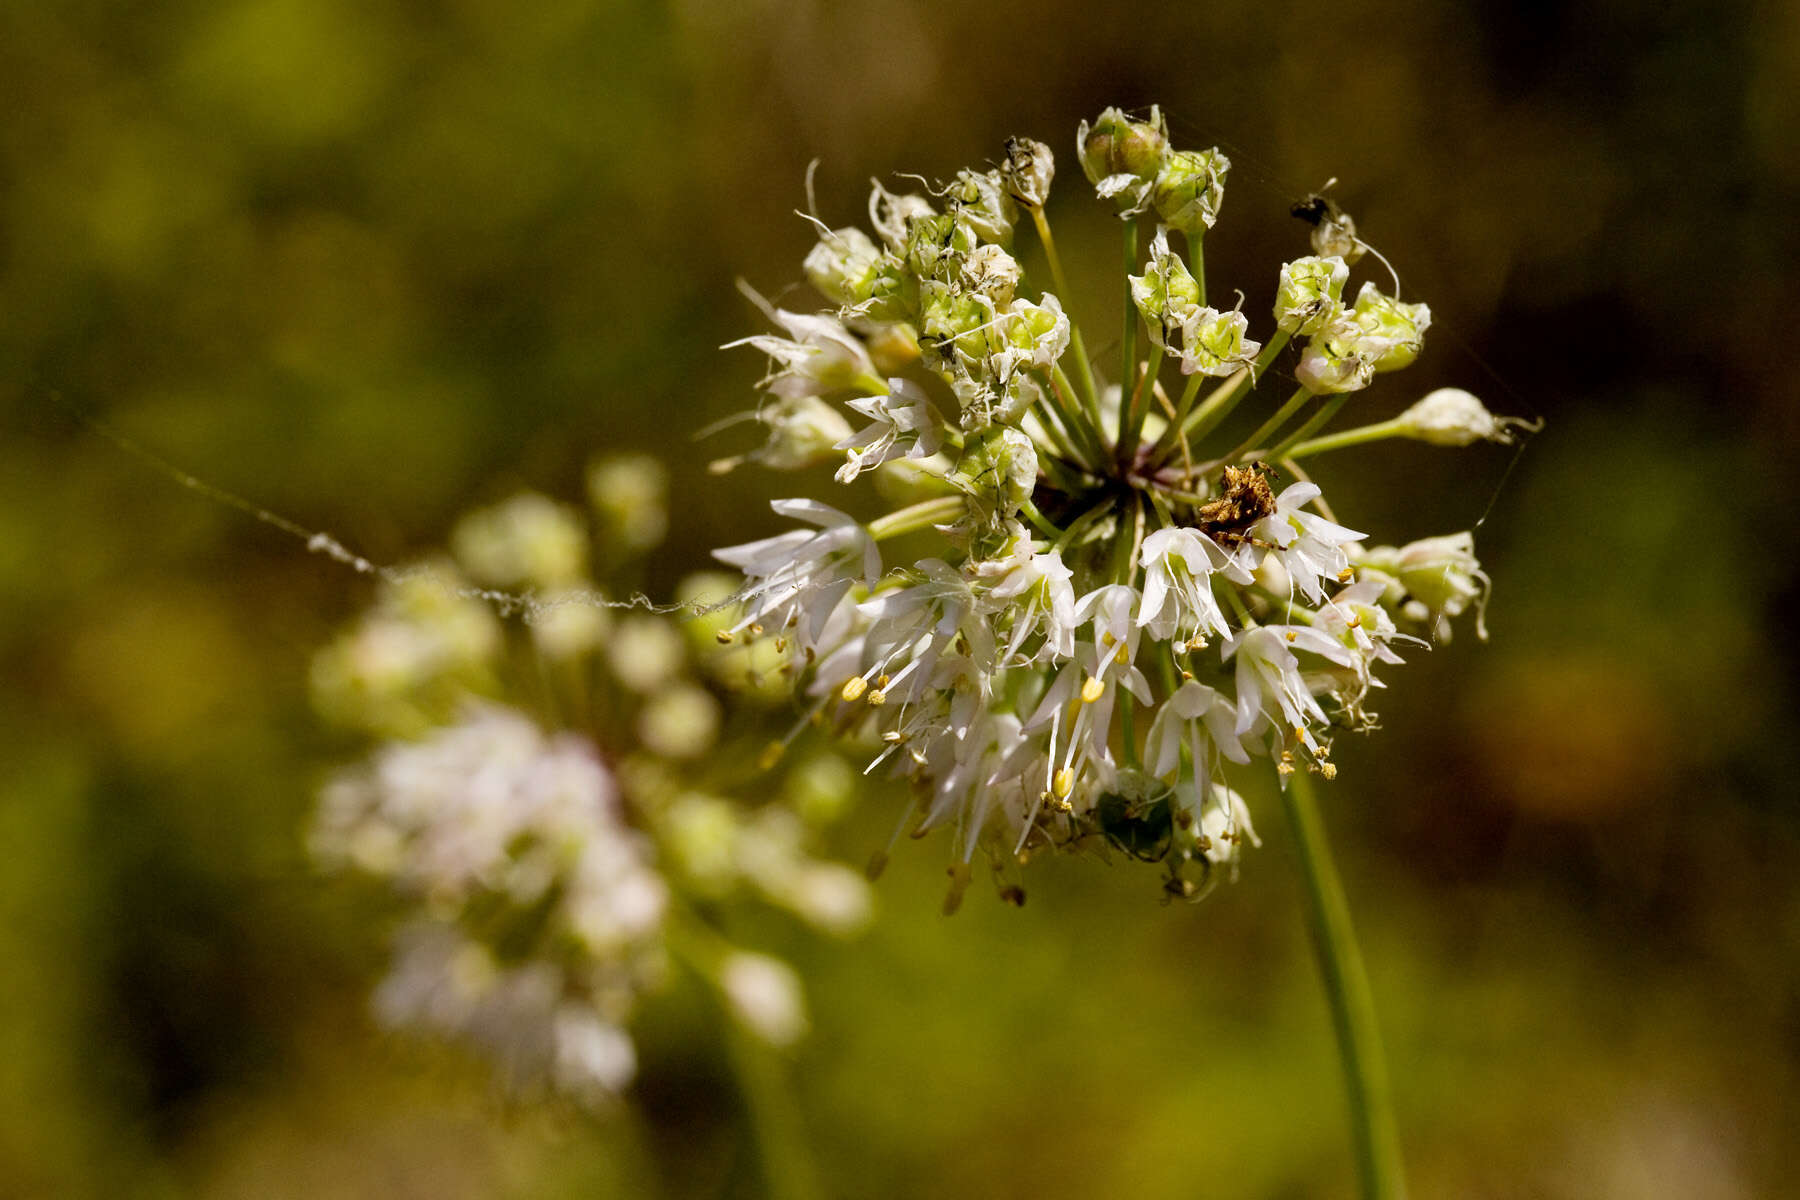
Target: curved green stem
1375	1134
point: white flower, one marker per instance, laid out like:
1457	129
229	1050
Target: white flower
1178	567
1270	687
803	431
765	995
1199	717
1441	578
1224	825
819	355
1035	592
903	423
795	579
842	265
1453	417
1309	547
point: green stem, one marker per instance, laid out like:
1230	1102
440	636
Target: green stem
1083	417
1347	438
1128	376
1316	422
1375	1133
939	511
774	1117
1083	368
1131	436
1216	407
1197	262
1282	416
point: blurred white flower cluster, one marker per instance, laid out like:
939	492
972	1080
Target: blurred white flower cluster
551	802
1091	606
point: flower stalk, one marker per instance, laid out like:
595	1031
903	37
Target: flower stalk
1374	1131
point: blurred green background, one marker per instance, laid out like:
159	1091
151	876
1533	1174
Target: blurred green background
372	264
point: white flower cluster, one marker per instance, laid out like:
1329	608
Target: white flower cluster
1113	618
509	840
548	880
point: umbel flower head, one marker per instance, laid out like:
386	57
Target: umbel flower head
1105	600
550	803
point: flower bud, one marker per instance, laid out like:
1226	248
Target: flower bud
937	245
1336	359
1213	343
1166	294
993	272
1122	157
629	493
1453	417
1308	293
979	200
803	432
1027	171
844	266
1190	188
1440	575
1394	331
529	541
764	994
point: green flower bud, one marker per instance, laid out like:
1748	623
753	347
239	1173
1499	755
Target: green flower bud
1122	157
936	246
980	201
1027	171
1395	332
1214	343
1190	188
1309	293
629	493
1337	359
1166	294
528	541
844	266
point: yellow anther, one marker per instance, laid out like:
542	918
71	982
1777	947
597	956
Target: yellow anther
1292	636
724	637
853	688
1092	689
1346	575
1108	640
756	628
1328	770
771	755
882	681
1122	657
1063	784
878	697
